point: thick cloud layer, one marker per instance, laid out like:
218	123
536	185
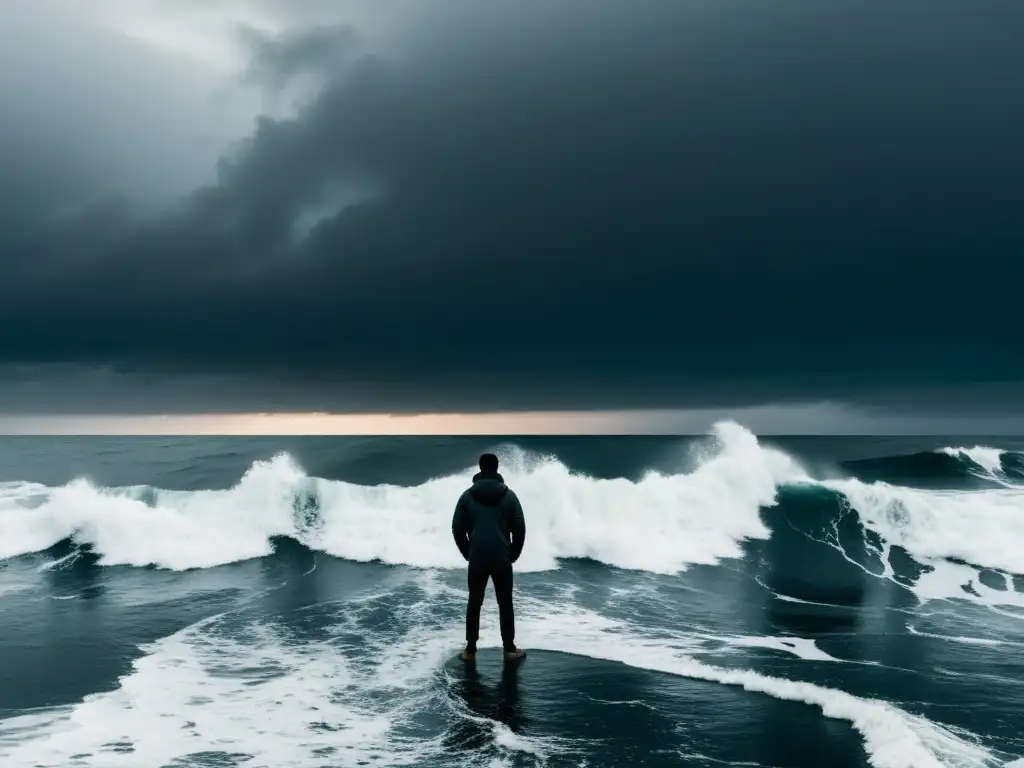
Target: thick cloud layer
601	202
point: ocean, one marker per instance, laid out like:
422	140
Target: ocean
717	600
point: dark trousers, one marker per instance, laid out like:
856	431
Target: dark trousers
502	578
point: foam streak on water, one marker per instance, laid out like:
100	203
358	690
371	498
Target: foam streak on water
250	689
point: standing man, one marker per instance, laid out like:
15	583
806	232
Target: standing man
489	531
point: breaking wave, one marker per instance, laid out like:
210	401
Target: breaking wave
662	523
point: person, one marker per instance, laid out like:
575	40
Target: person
489	530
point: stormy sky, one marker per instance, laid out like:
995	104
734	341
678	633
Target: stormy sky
264	205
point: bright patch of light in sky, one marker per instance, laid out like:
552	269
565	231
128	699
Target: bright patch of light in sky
796	419
205	33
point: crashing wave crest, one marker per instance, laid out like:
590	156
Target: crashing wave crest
662	523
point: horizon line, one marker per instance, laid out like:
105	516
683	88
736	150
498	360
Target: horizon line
811	419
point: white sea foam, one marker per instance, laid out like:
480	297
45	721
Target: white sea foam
348	696
985	528
947	580
955	534
181	530
288	701
801	647
989	459
253	691
960	638
892	738
662	523
257	690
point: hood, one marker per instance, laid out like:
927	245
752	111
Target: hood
488	488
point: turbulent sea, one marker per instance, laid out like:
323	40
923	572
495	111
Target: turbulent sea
709	601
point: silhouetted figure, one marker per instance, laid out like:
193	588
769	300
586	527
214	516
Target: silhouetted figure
489	530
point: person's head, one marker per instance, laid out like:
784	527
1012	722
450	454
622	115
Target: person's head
488	462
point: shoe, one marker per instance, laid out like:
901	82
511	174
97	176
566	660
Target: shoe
515	655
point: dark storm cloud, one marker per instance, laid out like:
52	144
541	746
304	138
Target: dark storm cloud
593	204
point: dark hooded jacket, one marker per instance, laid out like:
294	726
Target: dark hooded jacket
488	524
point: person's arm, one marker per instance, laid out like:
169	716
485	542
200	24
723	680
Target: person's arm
517	528
461	527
